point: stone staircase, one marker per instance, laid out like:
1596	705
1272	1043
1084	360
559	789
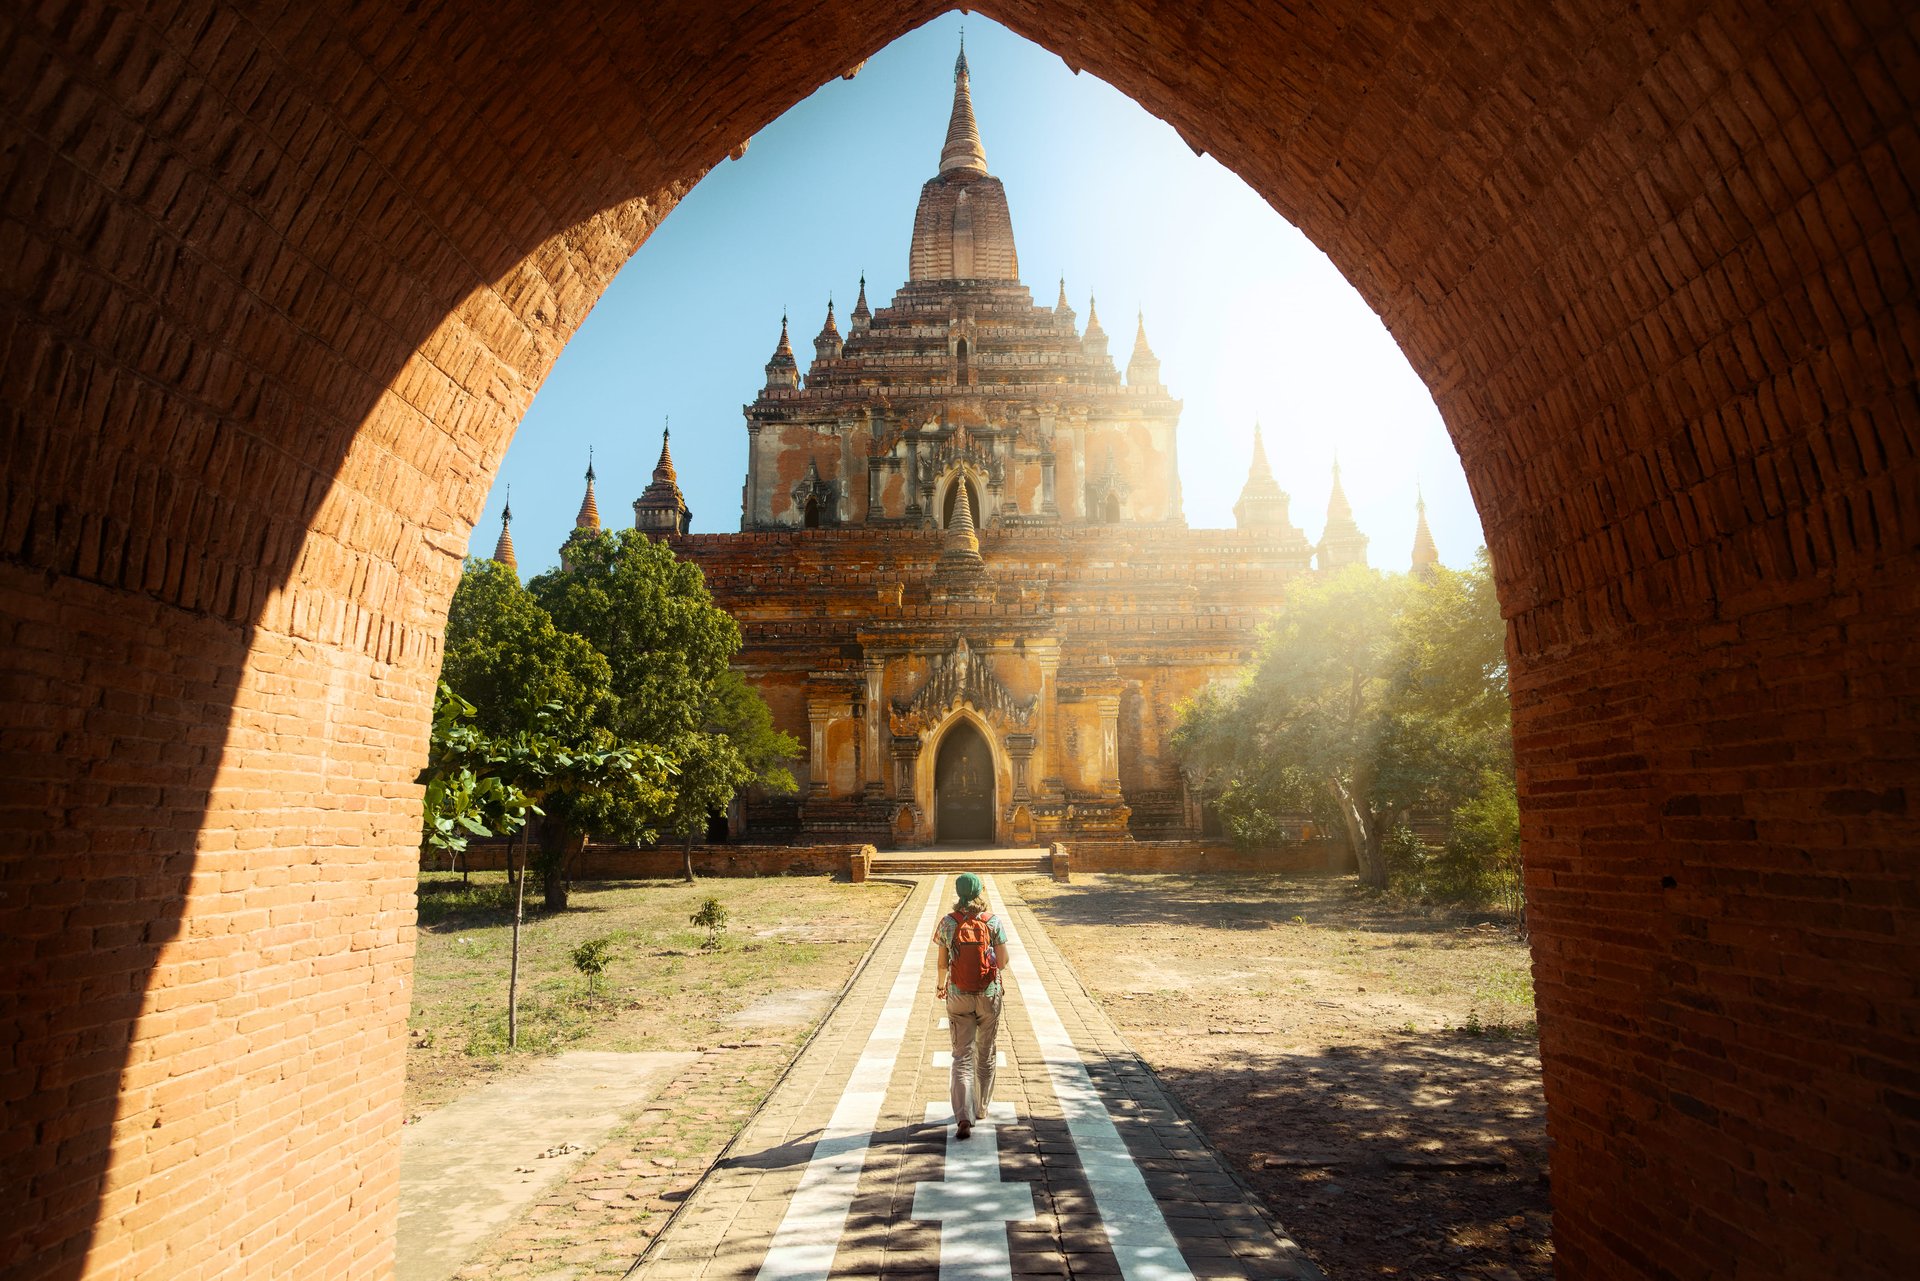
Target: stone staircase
997	862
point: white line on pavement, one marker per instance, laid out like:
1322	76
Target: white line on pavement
971	1204
1136	1229
809	1234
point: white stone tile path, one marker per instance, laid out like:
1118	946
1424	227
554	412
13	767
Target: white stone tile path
972	1204
1135	1227
808	1237
852	1168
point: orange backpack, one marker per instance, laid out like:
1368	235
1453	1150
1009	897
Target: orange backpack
972	964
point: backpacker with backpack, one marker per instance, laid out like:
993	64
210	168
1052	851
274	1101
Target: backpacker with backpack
972	965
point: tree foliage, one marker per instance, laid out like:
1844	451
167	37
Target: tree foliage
468	791
1374	699
616	667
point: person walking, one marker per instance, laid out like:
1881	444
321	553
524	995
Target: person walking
973	950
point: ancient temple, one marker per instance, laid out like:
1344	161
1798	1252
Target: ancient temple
963	572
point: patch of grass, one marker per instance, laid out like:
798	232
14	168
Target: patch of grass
1438	961
658	988
1506	985
445	898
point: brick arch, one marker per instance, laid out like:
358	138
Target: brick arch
278	286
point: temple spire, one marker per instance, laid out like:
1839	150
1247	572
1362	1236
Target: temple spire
1061	308
961	574
1341	542
963	152
1143	367
1262	502
827	343
663	470
589	515
1338	508
503	550
783	372
1094	340
1260	470
862	315
1426	554
662	508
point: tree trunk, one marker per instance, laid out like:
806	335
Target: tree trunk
686	853
513	969
557	848
1360	834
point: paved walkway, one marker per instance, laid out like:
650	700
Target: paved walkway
472	1167
852	1169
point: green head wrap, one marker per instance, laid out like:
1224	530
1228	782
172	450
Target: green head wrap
968	887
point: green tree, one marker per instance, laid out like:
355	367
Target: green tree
506	657
1307	723
467	792
667	648
1373	698
479	784
546	695
736	747
649	615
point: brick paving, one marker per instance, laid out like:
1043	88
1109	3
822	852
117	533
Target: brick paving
596	1222
1096	1205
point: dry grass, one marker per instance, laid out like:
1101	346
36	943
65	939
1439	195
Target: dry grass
789	943
1326	963
1370	1067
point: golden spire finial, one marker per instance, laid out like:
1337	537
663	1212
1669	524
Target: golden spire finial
963	152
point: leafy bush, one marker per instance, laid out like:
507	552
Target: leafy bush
591	958
1481	860
712	917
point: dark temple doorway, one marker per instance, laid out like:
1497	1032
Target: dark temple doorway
963	787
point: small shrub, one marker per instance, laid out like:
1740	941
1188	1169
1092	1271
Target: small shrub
591	958
711	917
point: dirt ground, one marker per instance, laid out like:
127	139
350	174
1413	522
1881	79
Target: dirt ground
789	945
1370	1069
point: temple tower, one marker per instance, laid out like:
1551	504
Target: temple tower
503	550
1341	542
662	508
1426	555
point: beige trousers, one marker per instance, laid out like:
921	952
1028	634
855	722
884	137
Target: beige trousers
974	1022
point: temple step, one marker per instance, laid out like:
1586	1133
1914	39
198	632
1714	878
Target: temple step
986	863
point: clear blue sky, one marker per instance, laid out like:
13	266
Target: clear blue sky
1248	318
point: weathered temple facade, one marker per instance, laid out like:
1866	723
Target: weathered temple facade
963	572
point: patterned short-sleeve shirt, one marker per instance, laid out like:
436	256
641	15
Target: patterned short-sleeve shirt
943	935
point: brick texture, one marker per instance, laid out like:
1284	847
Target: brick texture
277	281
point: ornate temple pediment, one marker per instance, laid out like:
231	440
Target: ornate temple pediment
955	678
962	449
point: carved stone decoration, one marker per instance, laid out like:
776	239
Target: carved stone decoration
1108	492
962	449
821	491
955	678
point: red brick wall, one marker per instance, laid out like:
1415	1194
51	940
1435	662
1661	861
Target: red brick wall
609	863
1206	856
276	284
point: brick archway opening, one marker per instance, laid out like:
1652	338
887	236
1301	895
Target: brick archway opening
280	284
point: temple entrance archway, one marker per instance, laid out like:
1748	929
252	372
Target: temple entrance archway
963	787
1656	265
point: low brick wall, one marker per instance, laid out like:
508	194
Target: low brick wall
1207	856
620	863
